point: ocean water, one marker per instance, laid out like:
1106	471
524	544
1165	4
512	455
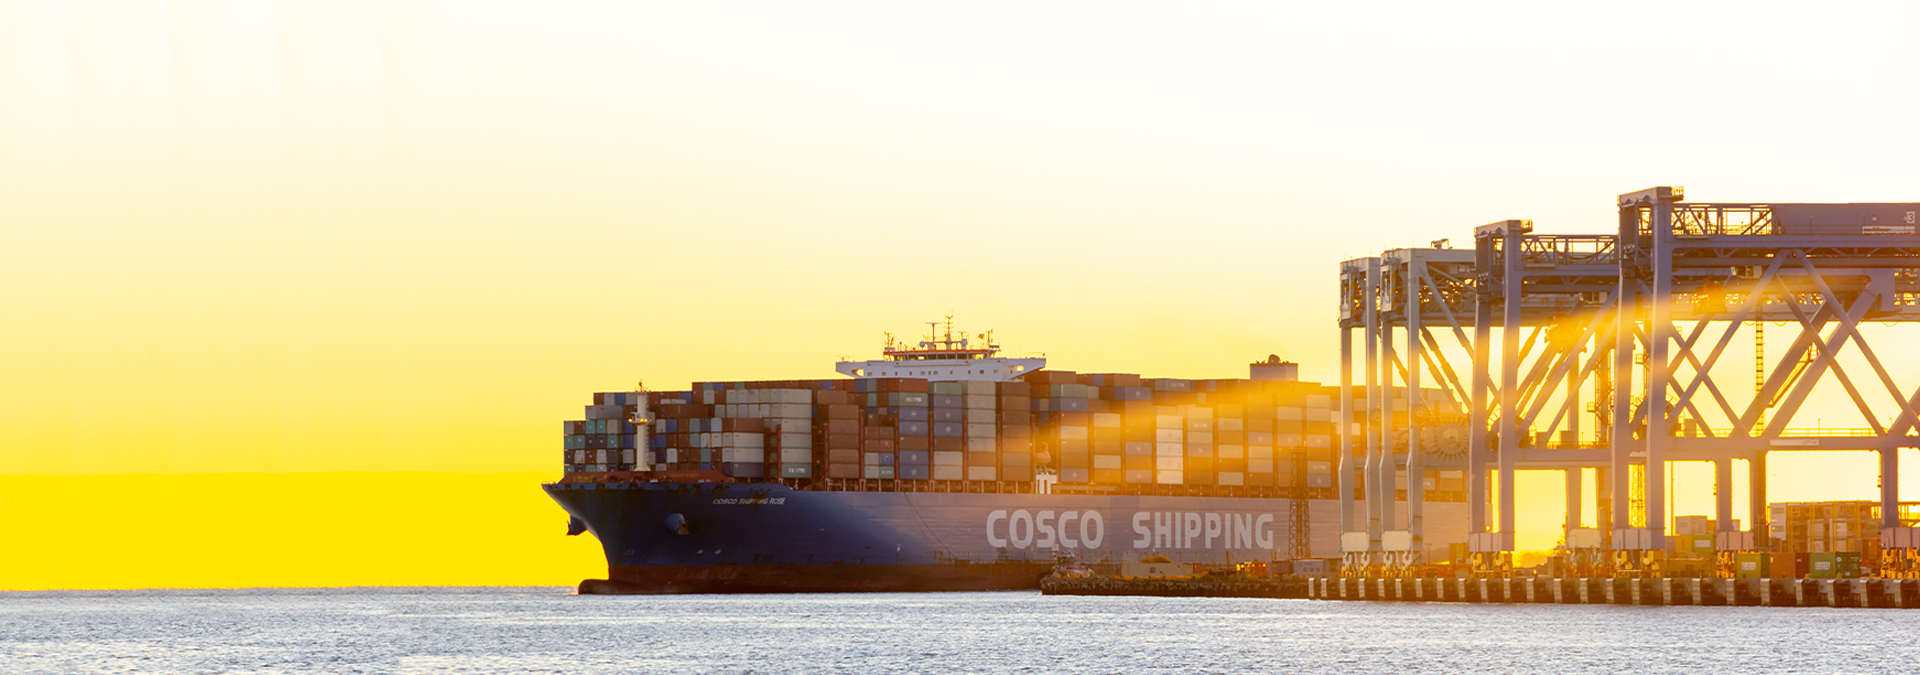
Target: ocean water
550	630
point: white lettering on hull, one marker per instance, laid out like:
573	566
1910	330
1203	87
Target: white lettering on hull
1154	530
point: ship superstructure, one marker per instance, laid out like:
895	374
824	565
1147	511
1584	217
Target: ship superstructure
944	354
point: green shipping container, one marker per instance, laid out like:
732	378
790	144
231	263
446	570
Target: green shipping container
1750	566
1820	566
1846	565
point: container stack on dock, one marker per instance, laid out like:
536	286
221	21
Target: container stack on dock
1103	433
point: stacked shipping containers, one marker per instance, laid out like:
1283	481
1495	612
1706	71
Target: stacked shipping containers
607	439
1826	527
1108	432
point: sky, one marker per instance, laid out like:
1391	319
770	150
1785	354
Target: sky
364	236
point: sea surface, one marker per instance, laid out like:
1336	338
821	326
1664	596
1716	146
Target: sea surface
551	630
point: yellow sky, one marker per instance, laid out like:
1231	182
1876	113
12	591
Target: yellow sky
325	235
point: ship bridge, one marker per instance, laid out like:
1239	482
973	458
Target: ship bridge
947	354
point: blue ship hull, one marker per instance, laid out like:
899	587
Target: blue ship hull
720	537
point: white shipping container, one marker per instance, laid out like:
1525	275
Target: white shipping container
872	471
1194	425
978	389
673	455
1194	412
1231	478
1319	414
790	426
1288	440
1319	441
1106	420
745	439
980	431
1169	463
627	456
949	457
1230	452
1259	452
978	444
974	402
1073	433
796	456
790	411
707	397
1169	436
944	472
1319	467
1169	477
790	441
796	396
873	458
1230	424
1106	462
1169	450
1174	422
982	472
1260	466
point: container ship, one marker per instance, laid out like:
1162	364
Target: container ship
945	466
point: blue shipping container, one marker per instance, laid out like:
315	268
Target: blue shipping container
918	457
948	429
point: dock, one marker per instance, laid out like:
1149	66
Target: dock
1875	593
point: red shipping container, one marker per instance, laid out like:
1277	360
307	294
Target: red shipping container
1052	377
840	412
948	444
843	426
912	443
877	445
